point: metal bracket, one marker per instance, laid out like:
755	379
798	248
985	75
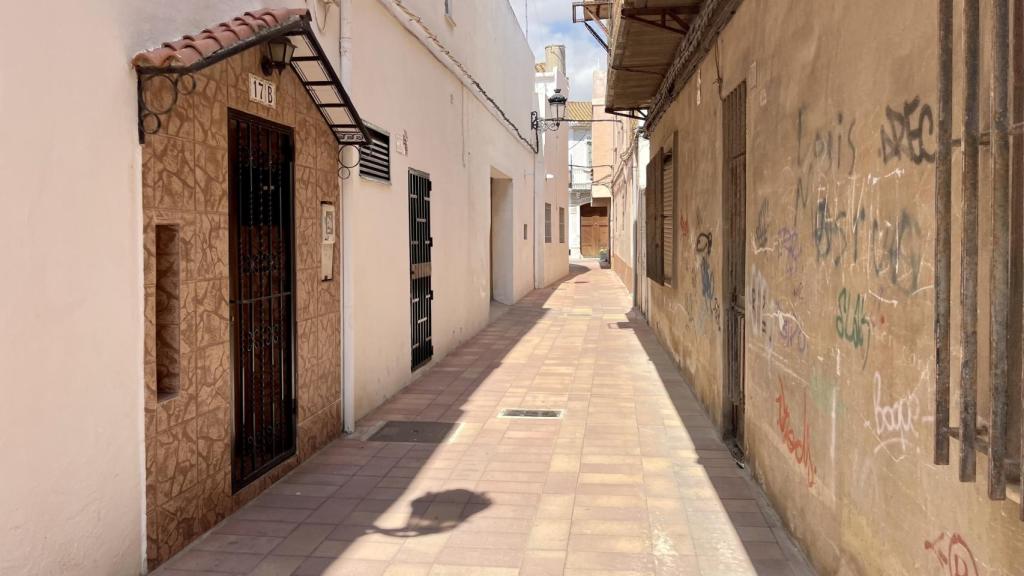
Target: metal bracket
345	170
150	113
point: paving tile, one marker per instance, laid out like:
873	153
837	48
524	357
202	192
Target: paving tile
631	481
304	540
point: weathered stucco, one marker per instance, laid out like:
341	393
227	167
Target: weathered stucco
838	292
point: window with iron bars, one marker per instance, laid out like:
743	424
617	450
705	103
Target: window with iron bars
547	223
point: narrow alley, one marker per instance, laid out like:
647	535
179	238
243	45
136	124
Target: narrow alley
631	479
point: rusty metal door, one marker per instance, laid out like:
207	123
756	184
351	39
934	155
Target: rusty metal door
261	239
734	198
420	243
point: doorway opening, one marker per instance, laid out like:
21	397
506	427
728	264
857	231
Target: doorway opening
501	238
734	202
593	230
261	237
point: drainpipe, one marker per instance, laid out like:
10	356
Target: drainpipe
348	242
636	209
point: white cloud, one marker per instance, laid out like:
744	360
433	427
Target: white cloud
550	22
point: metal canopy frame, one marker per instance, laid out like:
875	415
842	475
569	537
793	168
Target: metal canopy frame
667	18
594	11
309	62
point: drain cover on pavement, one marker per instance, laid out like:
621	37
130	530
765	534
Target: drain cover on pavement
421	432
523	413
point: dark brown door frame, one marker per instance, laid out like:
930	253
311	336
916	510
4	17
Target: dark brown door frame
734	198
267	416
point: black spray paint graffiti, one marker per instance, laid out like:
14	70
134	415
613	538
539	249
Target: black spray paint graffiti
707	278
761	231
831	237
825	157
905	132
896	253
853	325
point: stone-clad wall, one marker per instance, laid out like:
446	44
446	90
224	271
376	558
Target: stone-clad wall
185	182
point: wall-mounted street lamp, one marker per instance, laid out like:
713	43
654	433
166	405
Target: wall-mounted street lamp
557	103
277	55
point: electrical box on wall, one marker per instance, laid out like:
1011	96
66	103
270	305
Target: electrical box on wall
328	238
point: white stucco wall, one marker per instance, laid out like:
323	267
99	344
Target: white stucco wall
553	263
399	86
71	309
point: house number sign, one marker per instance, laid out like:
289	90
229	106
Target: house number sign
262	91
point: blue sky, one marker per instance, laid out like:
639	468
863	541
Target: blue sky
550	22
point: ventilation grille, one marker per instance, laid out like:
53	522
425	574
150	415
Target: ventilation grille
526	413
375	158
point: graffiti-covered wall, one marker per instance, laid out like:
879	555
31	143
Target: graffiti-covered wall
838	292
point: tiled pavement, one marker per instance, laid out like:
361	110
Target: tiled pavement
632	481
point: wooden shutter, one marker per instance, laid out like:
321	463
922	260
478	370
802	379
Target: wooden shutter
668	202
653	220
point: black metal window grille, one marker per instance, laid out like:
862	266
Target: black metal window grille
420	244
261	237
547	223
561	225
375	158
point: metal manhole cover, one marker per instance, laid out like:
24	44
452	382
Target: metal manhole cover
418	432
525	413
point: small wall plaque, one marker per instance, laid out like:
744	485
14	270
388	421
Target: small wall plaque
262	91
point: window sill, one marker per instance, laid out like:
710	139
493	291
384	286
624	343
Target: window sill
374	179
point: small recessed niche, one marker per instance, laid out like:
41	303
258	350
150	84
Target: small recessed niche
168	311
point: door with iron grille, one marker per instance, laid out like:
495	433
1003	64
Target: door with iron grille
420	243
734	198
261	237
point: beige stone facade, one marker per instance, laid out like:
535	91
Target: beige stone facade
185	183
838	283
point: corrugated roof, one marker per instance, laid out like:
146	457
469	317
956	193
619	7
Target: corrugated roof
579	110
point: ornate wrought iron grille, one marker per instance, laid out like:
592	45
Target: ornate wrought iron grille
261	240
420	243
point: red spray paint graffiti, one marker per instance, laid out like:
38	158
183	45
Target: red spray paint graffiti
956	556
800	447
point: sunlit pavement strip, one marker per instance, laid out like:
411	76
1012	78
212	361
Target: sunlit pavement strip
631	481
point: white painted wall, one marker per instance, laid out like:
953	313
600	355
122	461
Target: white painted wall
553	261
399	86
71	310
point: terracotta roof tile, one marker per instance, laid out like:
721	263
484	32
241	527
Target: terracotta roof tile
191	49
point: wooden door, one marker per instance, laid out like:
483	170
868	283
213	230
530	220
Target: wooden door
593	230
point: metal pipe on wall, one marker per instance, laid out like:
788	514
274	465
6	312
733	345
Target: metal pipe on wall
1015	354
1000	271
969	243
943	225
348	244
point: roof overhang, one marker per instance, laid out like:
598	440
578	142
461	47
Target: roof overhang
644	40
191	54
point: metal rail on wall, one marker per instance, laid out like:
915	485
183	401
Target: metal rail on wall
1006	301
